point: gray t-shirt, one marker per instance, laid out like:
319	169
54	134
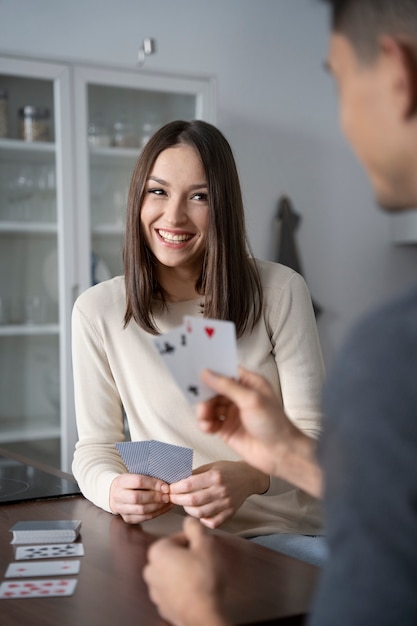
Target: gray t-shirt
369	456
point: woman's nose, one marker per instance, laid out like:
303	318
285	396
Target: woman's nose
176	211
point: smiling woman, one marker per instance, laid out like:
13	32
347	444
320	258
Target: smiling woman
186	253
190	168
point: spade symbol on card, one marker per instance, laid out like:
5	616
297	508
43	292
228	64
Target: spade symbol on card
166	348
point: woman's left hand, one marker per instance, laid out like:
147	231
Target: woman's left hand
217	490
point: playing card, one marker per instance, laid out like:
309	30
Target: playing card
172	347
165	461
135	455
211	345
169	463
42	568
199	343
38	588
45	531
52	551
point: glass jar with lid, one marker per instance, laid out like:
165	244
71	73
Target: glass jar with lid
148	129
124	135
34	123
98	135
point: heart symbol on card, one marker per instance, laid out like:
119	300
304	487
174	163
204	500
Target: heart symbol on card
209	331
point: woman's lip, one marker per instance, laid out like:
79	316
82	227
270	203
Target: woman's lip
173	237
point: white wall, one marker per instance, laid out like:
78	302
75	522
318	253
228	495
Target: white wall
278	109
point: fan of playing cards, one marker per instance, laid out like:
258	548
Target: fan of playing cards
199	343
156	458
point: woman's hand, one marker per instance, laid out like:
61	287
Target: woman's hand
138	498
216	491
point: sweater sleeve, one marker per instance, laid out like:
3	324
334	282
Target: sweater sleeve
297	352
99	412
299	362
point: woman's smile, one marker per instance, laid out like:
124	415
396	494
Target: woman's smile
174	237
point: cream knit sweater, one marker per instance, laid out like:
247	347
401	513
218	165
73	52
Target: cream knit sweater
118	370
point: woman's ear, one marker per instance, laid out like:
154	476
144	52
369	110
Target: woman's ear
401	57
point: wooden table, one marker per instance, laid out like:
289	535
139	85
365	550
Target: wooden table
263	584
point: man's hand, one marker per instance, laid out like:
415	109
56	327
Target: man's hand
183	575
248	416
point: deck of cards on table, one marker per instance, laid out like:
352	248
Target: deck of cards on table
199	343
42	531
33	579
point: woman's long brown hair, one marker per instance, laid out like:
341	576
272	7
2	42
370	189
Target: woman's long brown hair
229	278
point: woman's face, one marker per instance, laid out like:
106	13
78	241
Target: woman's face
175	211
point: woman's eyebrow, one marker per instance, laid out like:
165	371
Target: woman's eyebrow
198	186
161	181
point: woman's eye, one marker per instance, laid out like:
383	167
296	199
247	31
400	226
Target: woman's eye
200	196
156	192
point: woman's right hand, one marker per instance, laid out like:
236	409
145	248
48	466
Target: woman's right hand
137	498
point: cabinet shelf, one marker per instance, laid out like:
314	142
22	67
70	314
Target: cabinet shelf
29	228
21	330
19	149
107	230
104	154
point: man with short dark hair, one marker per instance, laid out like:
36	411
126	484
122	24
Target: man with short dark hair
368	452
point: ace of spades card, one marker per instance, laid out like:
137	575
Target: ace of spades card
199	343
172	348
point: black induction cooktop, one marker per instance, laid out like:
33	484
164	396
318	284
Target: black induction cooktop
19	482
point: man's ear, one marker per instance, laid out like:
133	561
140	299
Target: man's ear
401	56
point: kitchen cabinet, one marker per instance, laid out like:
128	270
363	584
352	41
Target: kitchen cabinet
62	205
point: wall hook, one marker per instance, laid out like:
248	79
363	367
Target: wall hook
148	47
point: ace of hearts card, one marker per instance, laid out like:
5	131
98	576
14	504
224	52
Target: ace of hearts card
199	343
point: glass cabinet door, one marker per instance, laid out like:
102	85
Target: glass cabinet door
69	139
32	252
117	112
